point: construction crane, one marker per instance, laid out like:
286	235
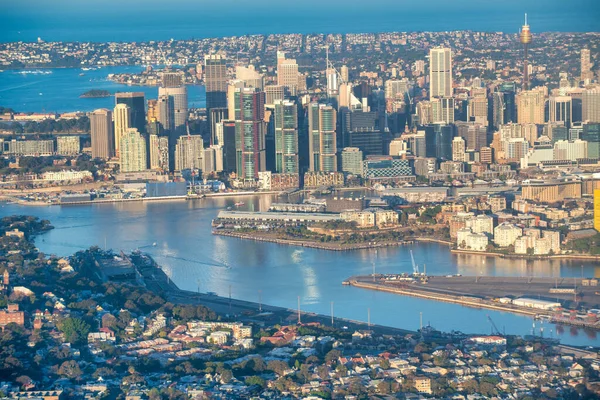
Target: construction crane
414	265
495	330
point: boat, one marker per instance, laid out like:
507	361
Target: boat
81	74
154	244
239	204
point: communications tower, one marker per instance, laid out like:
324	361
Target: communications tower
525	37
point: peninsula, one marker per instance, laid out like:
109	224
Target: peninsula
95	93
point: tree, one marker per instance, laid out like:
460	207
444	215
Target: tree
74	329
278	366
70	369
255	380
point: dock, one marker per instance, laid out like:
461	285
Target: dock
569	301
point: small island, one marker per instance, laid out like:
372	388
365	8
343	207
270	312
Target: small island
95	93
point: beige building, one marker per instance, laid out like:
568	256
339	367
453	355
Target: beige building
506	234
122	121
68	145
422	385
287	74
133	151
550	192
458	149
102	135
530	107
481	224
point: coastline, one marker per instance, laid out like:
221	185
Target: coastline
587	257
312	244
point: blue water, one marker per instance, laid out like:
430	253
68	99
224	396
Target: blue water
58	90
143	20
195	259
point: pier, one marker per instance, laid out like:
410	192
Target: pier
569	301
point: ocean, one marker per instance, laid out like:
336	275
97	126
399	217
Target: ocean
145	20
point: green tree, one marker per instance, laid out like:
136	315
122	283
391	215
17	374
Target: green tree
75	330
255	380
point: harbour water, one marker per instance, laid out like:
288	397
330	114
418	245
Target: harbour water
197	260
58	89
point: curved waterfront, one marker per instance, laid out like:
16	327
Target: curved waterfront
194	258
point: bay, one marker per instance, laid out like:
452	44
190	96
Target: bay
58	89
197	260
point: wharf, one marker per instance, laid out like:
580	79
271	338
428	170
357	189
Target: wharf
496	293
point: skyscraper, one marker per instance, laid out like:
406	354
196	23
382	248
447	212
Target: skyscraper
591	105
530	107
322	137
286	137
525	37
122	115
102	136
179	112
137	108
458	149
249	104
586	66
440	72
287	74
591	134
166	112
133	151
215	70
442	110
172	79
189	152
561	110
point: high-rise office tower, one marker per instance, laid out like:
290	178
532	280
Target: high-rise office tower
216	115
440	72
591	105
153	113
525	37
344	75
250	76
137	108
171	79
287	75
322	137
153	152
189	152
215	72
102	136
179	113
352	161
442	110
250	132
530	107
133	151
458	149
229	143
274	93
478	110
561	110
122	122
438	141
591	134
474	134
424	112
166	112
586	66
286	137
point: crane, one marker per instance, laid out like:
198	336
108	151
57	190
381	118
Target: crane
415	266
495	330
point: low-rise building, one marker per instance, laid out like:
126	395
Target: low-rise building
506	234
